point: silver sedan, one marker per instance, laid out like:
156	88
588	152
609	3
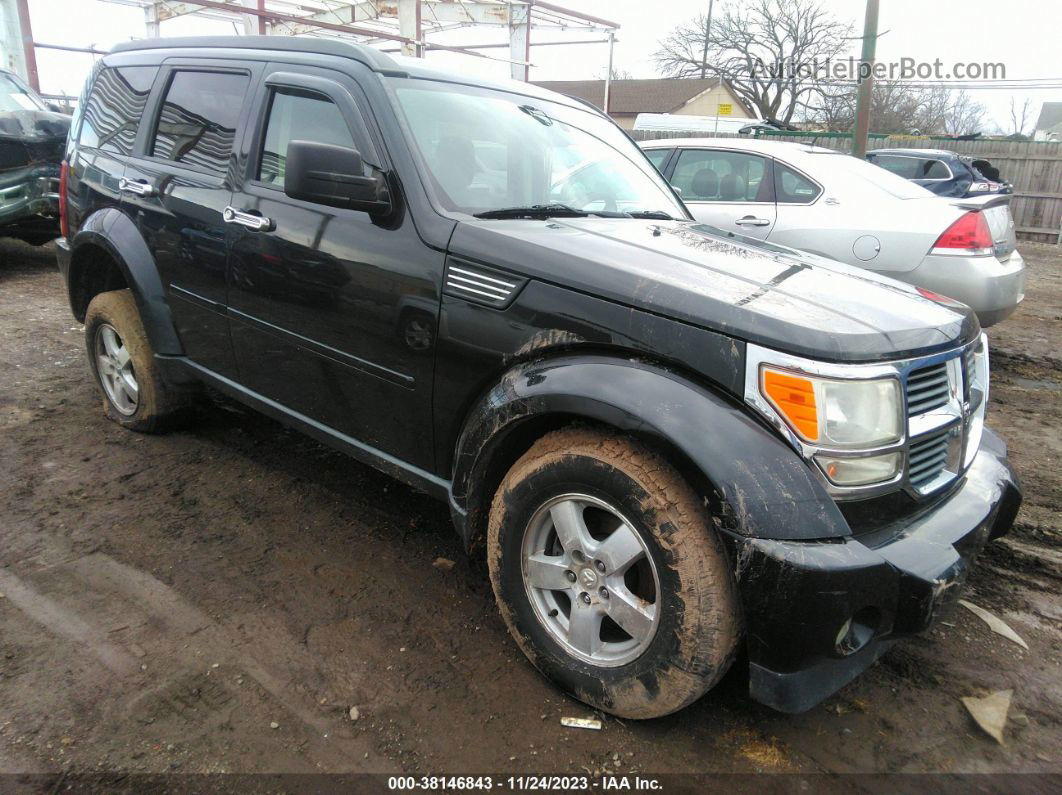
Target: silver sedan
827	203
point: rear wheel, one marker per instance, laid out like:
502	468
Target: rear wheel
609	576
123	363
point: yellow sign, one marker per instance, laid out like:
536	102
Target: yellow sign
725	108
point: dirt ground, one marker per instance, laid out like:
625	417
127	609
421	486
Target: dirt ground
217	599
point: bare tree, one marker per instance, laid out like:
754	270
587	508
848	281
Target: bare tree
767	50
617	74
898	107
1019	119
962	115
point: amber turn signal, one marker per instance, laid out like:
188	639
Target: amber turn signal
794	398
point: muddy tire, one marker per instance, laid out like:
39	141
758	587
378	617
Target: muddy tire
609	575
123	364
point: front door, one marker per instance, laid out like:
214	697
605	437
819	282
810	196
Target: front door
728	189
333	312
178	185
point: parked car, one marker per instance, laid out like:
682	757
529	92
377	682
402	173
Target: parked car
32	138
673	444
943	172
825	202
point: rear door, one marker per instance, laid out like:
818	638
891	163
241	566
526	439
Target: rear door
102	137
179	183
726	188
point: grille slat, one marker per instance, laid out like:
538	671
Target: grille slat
928	388
927	459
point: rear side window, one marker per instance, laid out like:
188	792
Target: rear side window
111	114
658	157
197	123
791	187
707	175
905	167
299	116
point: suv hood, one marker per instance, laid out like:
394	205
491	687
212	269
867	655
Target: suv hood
745	288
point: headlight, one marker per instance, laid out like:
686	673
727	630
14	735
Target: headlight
836	413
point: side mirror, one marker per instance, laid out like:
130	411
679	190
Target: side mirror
335	176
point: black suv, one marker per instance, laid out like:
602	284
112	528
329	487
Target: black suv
673	444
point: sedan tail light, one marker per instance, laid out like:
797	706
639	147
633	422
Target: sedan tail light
968	235
64	221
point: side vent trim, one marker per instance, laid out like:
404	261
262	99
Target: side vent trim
480	285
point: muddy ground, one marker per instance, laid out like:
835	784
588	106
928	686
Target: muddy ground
216	599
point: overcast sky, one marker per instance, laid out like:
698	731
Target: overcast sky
1022	34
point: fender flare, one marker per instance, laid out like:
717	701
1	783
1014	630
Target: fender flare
770	492
113	231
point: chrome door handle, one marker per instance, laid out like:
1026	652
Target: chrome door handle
139	188
751	220
259	223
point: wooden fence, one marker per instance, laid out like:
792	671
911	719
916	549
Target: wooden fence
1034	168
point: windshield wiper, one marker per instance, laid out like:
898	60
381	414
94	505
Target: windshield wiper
534	211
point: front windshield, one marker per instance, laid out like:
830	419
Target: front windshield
490	150
16	97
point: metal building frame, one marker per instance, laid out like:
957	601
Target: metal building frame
393	25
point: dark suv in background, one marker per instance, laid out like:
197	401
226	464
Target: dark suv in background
673	444
943	172
32	138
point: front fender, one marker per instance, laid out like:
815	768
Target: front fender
113	231
770	492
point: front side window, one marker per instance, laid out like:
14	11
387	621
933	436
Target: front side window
296	115
114	108
717	176
489	150
197	123
791	187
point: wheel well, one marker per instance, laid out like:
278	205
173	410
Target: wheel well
501	455
92	271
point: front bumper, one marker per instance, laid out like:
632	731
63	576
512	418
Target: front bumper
798	595
991	287
29	200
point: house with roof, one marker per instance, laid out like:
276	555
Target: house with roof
628	98
1049	125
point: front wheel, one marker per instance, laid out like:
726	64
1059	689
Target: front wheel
609	575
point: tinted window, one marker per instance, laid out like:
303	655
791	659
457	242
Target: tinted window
900	166
793	188
706	175
658	157
298	116
933	169
197	124
112	112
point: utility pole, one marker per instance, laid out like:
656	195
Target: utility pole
707	31
866	80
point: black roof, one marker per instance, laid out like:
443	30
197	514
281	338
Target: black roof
374	59
397	66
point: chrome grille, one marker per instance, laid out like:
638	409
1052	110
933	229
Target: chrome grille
927	459
478	284
927	389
